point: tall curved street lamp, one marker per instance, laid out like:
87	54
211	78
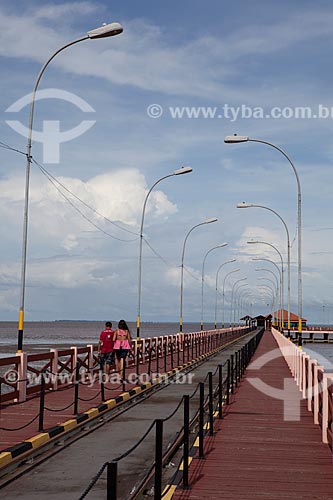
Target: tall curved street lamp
246	302
234	139
105	31
280	276
276	291
271	272
242	296
282	269
208	221
235	300
223	288
222	245
252	205
232	295
276	288
180	171
277	281
216	287
267	287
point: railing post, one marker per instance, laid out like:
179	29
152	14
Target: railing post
157	356
171	354
111	487
186	440
90	357
137	361
236	369
158	459
76	388
192	345
101	374
41	402
325	397
242	358
232	374
201	419
22	377
123	376
228	381
220	391
74	355
149	360
211	405
178	351
54	369
165	354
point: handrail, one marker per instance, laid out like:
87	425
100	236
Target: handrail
315	384
27	368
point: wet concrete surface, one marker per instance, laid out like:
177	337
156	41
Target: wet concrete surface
67	474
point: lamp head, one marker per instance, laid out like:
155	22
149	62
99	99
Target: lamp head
209	221
105	31
244	205
252	242
232	139
183	170
223	245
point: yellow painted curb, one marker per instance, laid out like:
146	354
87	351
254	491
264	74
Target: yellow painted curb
111	403
69	424
5	458
93	412
125	396
38	439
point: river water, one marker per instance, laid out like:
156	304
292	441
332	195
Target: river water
42	335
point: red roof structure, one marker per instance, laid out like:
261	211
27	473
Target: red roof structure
293	317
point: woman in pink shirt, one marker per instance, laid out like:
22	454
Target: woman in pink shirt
122	345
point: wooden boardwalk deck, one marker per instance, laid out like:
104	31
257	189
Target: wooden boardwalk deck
256	454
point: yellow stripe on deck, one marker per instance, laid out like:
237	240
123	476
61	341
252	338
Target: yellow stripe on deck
171	490
181	467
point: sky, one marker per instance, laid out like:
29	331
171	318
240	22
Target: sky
114	115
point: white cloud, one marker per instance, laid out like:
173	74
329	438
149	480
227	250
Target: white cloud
117	195
141	57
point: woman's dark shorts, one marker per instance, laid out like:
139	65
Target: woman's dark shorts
107	358
121	353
